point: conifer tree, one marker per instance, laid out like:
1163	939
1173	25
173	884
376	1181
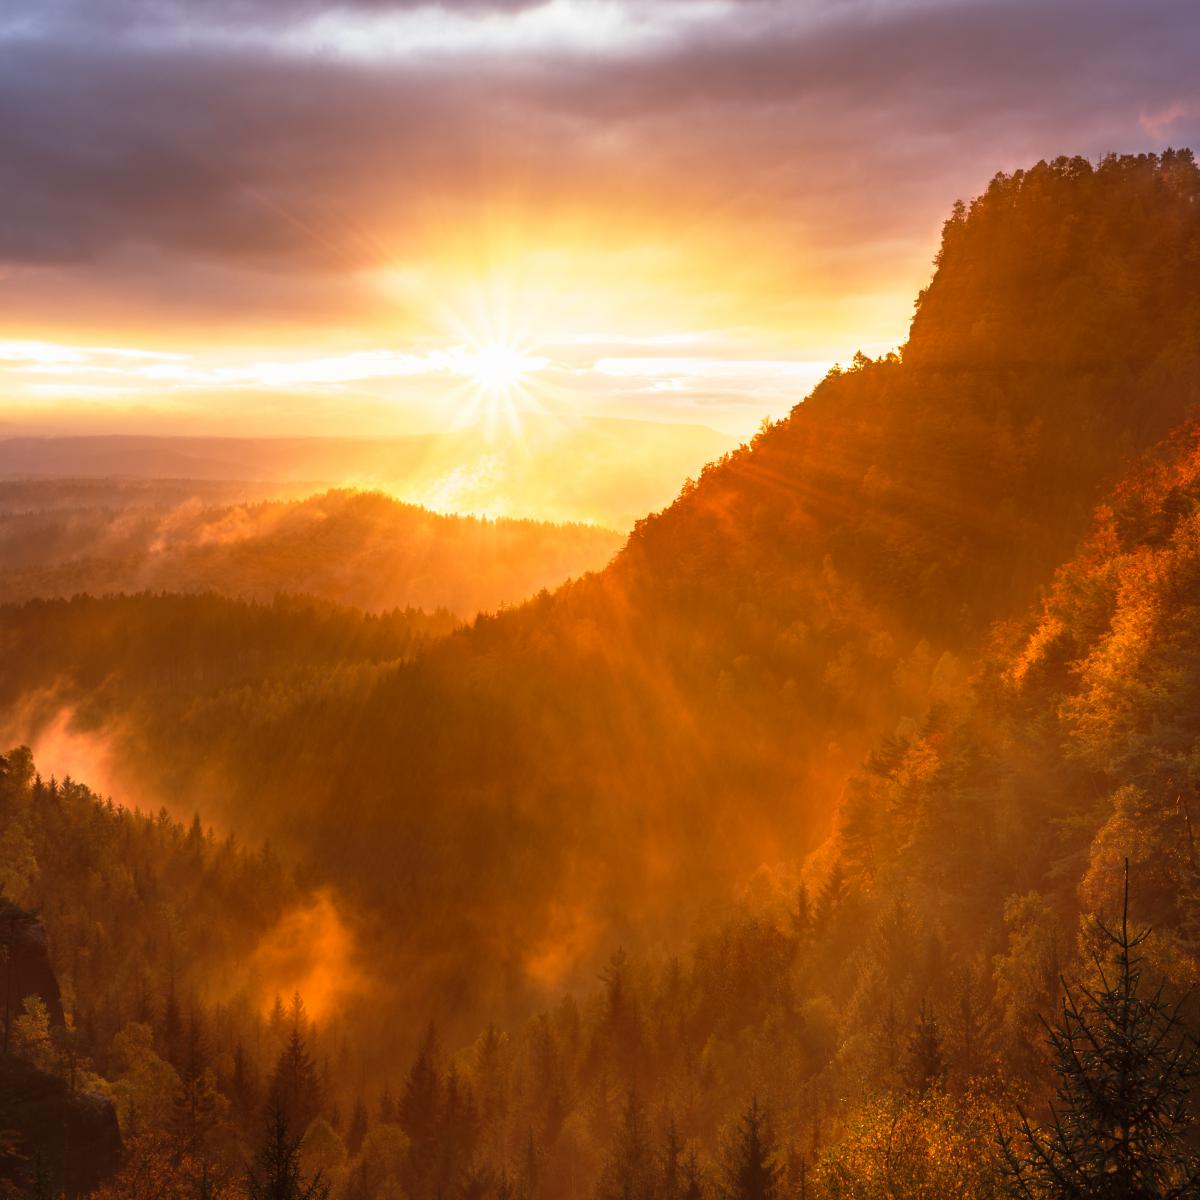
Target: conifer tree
458	1129
1124	1066
693	1178
629	1169
242	1088
277	1021
750	1170
358	1127
196	1107
421	1102
622	1018
968	1028
276	1174
925	1066
296	1087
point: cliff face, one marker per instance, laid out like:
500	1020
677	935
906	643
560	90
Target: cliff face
27	970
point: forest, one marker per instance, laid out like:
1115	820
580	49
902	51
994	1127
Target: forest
834	840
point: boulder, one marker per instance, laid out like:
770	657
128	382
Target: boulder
73	1137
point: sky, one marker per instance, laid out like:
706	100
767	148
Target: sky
389	216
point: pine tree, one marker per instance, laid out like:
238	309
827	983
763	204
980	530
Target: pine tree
277	1021
693	1178
968	1028
358	1127
421	1102
749	1168
797	1182
276	1174
296	1086
622	1018
1124	1065
458	1130
925	1066
196	1108
242	1089
629	1169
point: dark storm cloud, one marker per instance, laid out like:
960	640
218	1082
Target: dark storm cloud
189	128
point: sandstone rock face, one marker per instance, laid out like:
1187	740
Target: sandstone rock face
73	1137
27	971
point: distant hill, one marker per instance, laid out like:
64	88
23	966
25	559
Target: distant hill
619	469
360	549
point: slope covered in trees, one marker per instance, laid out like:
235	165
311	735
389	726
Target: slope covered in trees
599	764
858	1023
360	549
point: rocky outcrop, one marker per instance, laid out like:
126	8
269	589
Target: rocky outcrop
25	968
72	1138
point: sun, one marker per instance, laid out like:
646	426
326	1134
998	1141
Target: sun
499	368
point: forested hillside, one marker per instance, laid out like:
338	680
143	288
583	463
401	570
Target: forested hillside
602	764
863	1024
361	549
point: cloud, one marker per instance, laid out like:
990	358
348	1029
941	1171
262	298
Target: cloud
768	177
1160	122
270	149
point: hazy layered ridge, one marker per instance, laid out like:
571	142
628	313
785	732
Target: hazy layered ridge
608	472
359	549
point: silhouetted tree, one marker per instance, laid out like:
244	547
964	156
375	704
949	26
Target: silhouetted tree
421	1101
296	1087
693	1178
629	1171
749	1168
359	1122
276	1174
1124	1067
924	1065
